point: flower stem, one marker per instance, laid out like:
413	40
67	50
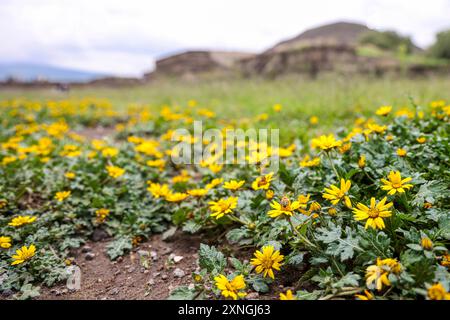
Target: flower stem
298	234
332	165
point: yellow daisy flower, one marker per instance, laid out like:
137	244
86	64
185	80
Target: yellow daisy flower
287	296
438	292
267	260
233	184
374	214
21	220
395	183
326	143
176	197
223	206
284	207
115	172
158	190
384	110
262	182
197	192
24	254
366	296
231	288
335	194
62	195
5	242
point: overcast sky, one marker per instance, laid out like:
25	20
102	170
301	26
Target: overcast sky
124	37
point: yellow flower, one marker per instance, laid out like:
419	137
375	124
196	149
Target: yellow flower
269	194
332	211
345	147
390	265
267	260
303	199
115	172
263	182
421	140
438	292
376	274
233	185
285	207
21	220
374	127
335	194
277	107
223	206
426	243
176	197
395	183
315	206
214	183
374	214
158	190
401	152
384	110
197	192
109	152
102	214
314	120
5	242
307	162
70	175
158	163
183	177
326	143
3	203
287	296
215	168
24	254
362	161
231	288
8	160
445	260
366	296
62	195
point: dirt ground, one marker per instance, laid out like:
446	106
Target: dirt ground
170	264
127	277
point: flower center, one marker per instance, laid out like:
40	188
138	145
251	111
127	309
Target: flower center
262	182
373	212
267	263
397	185
285	204
224	206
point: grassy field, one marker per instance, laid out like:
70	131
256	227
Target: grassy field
336	101
361	214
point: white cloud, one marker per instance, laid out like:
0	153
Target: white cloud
124	37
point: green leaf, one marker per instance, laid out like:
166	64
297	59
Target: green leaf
182	293
260	285
118	247
191	226
211	259
350	279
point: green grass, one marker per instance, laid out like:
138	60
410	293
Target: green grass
336	101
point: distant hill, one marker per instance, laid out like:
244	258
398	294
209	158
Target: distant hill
33	72
343	33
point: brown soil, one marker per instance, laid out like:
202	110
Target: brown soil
127	278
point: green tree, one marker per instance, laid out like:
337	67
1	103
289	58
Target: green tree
441	48
388	40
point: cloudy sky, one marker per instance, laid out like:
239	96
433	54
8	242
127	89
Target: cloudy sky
124	37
